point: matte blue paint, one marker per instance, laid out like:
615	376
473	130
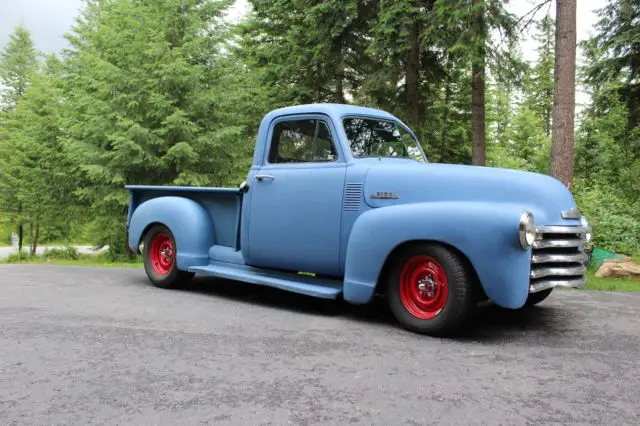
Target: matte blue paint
502	265
188	221
225	202
280	213
192	189
280	210
319	217
225	254
296	283
415	182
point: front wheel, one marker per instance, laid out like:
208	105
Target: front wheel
160	258
431	289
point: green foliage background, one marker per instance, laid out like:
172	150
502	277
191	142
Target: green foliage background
168	92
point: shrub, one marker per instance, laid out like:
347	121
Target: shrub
18	257
615	219
67	253
111	257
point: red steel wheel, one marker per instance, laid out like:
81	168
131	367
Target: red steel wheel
162	253
424	288
431	288
161	258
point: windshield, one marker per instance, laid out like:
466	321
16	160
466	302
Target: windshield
370	137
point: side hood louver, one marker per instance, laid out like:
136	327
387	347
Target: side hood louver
352	197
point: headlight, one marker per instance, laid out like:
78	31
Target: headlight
589	232
526	230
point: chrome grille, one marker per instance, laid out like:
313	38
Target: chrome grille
557	258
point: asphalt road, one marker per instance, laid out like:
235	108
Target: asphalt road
91	345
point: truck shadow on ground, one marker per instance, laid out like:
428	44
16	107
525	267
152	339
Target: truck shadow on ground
489	322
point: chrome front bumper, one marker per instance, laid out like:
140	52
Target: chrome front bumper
558	259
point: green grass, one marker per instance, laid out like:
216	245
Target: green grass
610	284
70	257
88	261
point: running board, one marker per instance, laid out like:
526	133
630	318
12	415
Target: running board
297	283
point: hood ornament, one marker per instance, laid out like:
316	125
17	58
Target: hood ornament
384	196
574	213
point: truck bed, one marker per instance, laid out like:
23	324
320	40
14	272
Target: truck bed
224	203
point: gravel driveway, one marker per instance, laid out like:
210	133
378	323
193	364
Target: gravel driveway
98	345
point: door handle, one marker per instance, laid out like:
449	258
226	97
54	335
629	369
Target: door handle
264	177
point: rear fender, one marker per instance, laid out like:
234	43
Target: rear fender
486	233
188	221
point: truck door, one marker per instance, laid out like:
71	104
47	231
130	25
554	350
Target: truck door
296	198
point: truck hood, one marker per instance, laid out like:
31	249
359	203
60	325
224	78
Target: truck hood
413	182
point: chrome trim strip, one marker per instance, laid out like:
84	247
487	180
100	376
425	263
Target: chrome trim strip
568	243
546	284
554	229
565	258
557	271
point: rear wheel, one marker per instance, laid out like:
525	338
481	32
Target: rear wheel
431	289
160	258
535	298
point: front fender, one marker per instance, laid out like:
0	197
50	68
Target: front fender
188	221
487	233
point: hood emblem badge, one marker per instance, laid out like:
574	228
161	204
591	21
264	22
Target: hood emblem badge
574	213
384	196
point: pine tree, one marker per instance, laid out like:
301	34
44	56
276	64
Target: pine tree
305	51
446	131
617	66
145	101
540	85
465	27
18	62
404	61
607	141
33	167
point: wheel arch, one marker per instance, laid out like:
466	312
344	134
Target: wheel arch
382	280
189	222
484	234
143	234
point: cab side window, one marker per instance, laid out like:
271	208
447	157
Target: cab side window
301	141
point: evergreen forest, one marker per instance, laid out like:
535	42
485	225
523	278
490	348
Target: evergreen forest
171	92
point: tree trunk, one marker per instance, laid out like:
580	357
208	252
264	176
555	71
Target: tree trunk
20	237
548	94
34	240
127	249
478	91
20	229
31	235
338	50
477	115
445	117
564	92
412	86
547	119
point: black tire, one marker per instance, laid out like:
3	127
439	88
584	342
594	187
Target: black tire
535	298
461	290
163	274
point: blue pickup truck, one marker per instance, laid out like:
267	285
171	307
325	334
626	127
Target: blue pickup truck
340	202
